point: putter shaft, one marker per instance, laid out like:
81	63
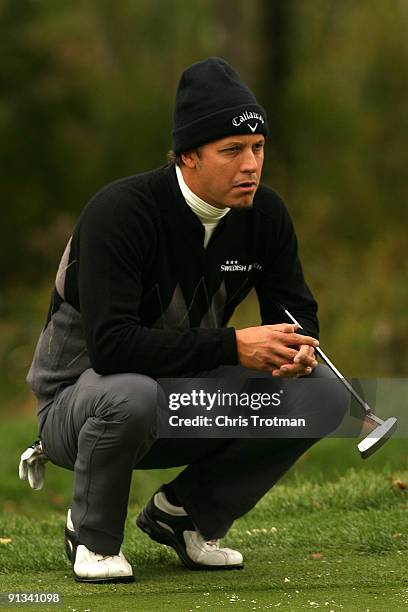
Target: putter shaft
368	411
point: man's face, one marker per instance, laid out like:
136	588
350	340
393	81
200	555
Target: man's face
226	172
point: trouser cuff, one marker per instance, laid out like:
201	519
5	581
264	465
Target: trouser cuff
99	542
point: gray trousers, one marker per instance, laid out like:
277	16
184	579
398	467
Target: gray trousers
103	427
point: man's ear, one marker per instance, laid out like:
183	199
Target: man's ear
190	159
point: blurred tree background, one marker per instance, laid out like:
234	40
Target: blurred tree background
87	90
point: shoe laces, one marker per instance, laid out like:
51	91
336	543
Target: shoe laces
214	543
106	557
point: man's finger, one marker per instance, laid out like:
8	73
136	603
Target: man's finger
299	340
306	362
305	355
286	355
286	328
292	370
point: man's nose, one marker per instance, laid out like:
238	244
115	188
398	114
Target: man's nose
249	162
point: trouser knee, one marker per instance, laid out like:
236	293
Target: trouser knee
333	401
132	401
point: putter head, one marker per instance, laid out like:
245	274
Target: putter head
377	437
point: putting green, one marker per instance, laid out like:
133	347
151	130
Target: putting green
353	582
331	543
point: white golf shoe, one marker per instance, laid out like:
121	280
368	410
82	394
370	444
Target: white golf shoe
209	554
171	525
89	566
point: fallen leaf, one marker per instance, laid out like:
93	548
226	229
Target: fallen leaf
9	506
5	540
317	556
56	500
400	484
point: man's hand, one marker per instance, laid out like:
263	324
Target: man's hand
272	347
303	364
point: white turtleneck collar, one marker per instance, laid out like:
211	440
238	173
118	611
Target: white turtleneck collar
209	215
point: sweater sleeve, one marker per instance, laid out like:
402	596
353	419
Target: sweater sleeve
282	282
115	240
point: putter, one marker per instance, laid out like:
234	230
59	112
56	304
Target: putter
380	430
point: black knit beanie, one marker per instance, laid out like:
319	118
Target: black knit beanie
212	102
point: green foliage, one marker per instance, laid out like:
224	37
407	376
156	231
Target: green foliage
88	91
347	127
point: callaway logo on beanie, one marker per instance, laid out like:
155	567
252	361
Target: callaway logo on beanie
213	102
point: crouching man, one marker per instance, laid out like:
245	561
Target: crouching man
154	269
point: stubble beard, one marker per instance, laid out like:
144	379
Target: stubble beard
241	205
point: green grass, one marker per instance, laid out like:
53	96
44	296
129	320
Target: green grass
356	524
348	511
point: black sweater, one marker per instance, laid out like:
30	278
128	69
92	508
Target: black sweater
136	290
